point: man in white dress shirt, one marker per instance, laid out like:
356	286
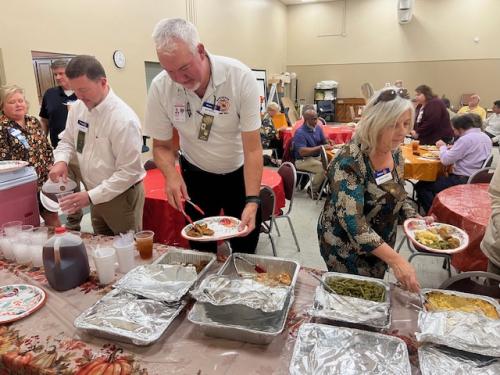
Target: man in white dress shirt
105	134
213	102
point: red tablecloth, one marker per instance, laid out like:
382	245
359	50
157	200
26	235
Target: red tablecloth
167	223
469	208
337	133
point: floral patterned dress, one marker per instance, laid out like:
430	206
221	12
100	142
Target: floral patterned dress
29	144
360	215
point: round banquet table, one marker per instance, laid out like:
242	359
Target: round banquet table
417	168
167	223
337	133
467	207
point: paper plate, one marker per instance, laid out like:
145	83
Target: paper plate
430	155
12	165
58	187
429	148
411	226
19	300
224	227
48	203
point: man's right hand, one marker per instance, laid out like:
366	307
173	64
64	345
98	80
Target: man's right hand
176	191
58	170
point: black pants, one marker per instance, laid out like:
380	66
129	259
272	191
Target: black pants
426	191
213	192
491	136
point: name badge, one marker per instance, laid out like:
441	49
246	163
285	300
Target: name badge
210	109
179	113
382	176
83	126
205	127
18	134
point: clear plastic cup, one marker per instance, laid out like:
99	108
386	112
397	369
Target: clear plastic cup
144	243
22	245
38	238
104	260
12	228
60	198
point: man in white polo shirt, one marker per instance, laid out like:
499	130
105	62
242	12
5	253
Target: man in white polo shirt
213	102
105	134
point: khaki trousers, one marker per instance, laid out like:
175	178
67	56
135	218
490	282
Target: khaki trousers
121	214
314	165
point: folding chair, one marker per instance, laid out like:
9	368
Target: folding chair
267	203
150	164
289	175
482	176
475	282
324	163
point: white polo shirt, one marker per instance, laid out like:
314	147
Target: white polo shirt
234	92
110	161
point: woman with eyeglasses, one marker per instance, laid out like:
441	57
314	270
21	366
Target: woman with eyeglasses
432	120
357	227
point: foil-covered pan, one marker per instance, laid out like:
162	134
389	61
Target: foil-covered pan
333	307
327	350
272	265
239	322
227	290
470	332
178	256
128	318
441	360
161	282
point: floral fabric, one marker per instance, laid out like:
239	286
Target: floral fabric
360	215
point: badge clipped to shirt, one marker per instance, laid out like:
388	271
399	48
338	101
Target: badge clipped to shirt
205	127
179	112
382	176
83	128
18	134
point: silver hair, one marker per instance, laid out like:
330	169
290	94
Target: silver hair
169	31
379	115
274	106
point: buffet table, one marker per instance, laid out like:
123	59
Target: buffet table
469	208
167	223
47	339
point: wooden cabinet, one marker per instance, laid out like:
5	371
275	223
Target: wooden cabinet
342	111
44	77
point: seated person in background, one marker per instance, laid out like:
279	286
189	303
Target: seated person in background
432	121
300	121
307	143
468	154
490	244
268	135
492	123
473	107
357	228
22	138
447	104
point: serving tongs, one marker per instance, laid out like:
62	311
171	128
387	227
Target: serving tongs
256	267
330	290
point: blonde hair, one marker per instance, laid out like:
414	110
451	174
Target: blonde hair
274	106
9	90
379	115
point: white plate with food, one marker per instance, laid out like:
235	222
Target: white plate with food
12	165
213	228
429	148
430	155
436	237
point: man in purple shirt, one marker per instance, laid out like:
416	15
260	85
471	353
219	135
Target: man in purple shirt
307	143
468	155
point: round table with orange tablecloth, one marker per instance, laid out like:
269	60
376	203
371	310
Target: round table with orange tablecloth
418	168
467	207
167	223
337	133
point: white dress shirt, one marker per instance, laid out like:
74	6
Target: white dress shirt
234	92
492	124
110	161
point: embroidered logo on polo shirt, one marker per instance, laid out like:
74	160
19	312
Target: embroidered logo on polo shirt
223	103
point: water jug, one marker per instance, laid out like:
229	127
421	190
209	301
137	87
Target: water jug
65	260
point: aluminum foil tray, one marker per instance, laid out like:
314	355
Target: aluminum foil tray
128	318
161	282
220	290
273	265
441	360
328	350
333	307
176	255
240	323
470	332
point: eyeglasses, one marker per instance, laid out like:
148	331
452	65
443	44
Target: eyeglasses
388	95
